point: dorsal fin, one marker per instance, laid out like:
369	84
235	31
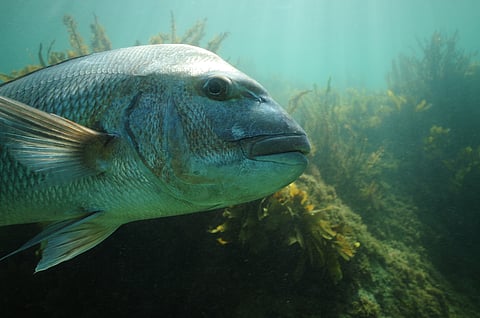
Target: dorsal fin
50	144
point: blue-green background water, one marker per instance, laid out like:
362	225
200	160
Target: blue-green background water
305	41
404	156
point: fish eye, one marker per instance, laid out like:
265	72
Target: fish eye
217	88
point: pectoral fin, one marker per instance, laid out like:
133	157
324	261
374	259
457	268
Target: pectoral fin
66	239
50	144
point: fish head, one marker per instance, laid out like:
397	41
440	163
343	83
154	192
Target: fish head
218	137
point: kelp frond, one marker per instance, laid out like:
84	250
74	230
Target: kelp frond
100	40
76	40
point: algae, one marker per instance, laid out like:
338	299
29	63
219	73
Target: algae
77	43
193	36
293	217
101	42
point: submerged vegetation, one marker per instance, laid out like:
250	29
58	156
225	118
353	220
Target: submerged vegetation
291	217
386	211
100	42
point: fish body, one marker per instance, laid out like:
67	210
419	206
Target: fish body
136	133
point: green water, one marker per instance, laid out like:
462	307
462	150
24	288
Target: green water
392	111
304	41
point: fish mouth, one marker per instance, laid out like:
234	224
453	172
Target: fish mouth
287	149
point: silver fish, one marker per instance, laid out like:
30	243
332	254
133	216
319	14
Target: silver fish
136	133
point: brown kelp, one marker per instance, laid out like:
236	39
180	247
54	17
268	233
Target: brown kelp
100	41
441	82
293	217
77	47
307	233
346	148
192	36
77	44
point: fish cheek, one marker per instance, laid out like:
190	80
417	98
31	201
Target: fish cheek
157	133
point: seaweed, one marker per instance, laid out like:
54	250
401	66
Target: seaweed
100	40
432	75
77	44
77	48
290	216
214	44
173	29
440	85
306	232
17	73
193	36
345	142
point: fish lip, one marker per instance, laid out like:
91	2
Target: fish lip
285	148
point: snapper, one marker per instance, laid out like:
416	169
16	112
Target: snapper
132	134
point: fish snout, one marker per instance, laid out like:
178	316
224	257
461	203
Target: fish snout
276	137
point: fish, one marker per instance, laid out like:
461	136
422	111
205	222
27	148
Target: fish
133	134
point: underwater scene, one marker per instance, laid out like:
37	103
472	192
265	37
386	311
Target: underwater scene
384	221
